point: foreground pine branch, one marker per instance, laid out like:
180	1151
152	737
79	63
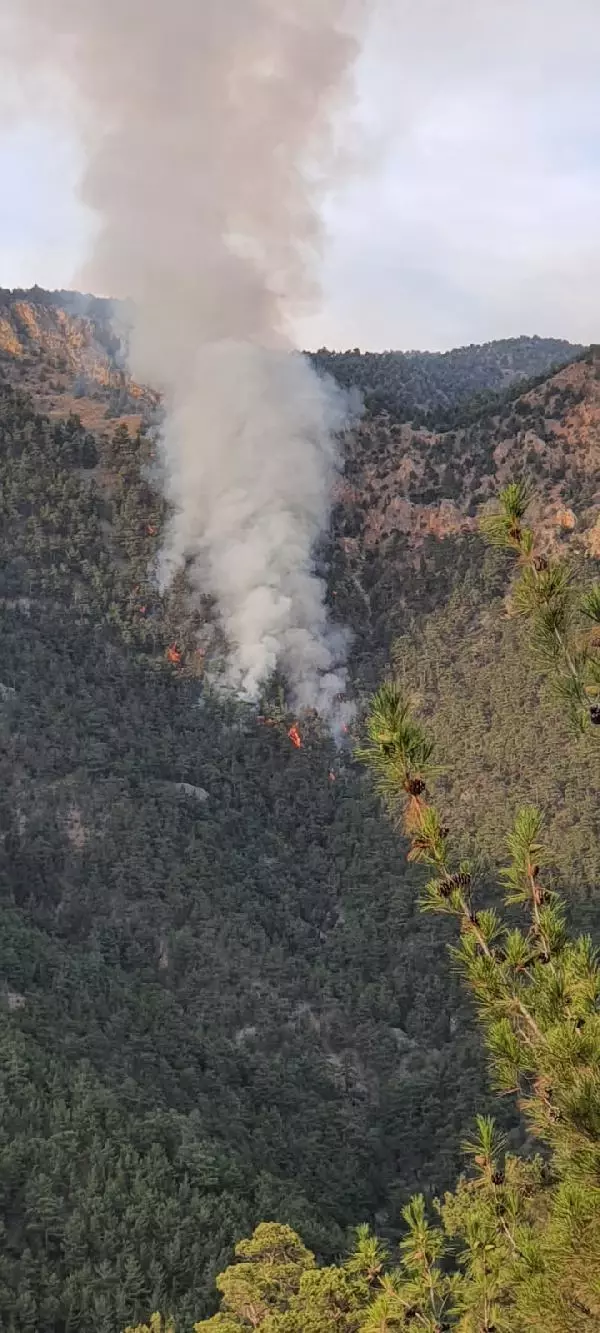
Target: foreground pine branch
533	986
564	618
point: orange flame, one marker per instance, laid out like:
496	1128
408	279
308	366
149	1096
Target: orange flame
295	737
173	654
151	530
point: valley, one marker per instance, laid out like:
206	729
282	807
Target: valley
223	1008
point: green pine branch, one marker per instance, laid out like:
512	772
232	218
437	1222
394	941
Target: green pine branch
563	618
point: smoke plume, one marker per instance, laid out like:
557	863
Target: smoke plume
208	128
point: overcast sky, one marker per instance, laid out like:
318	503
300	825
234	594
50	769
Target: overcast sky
478	215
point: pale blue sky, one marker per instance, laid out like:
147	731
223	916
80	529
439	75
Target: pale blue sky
479	213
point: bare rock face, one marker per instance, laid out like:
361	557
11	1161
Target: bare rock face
70	362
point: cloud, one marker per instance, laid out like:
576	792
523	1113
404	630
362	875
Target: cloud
484	217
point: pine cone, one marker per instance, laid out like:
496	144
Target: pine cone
451	882
445	887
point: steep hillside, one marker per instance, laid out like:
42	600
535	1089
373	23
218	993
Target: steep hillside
61	347
63	344
408	497
421	385
218	999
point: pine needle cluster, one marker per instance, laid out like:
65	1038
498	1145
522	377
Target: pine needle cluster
564	617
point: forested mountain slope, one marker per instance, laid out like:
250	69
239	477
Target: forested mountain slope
215	1007
64	345
408	497
219	1001
433	384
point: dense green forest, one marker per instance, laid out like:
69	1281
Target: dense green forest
220	1000
208	1015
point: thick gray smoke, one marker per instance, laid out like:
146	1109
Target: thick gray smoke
207	127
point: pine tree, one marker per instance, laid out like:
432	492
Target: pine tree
563	613
537	994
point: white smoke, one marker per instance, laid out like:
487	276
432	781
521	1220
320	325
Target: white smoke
250	505
209	134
